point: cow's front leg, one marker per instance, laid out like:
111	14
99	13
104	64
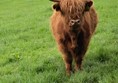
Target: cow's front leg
68	64
78	62
80	52
67	57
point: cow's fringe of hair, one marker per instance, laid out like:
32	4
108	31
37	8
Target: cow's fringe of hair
72	6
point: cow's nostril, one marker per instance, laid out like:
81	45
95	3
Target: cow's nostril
78	21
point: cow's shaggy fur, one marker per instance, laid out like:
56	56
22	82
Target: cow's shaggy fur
73	23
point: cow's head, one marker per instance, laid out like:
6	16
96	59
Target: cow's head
72	10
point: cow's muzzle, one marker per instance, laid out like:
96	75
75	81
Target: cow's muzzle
74	23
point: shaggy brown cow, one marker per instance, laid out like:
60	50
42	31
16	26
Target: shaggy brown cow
73	23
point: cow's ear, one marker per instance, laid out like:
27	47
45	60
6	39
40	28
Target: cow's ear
88	4
56	7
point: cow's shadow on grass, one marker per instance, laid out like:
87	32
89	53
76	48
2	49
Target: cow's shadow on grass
99	65
101	59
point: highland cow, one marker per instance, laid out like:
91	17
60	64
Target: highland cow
73	23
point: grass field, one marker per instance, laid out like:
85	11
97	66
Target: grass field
28	52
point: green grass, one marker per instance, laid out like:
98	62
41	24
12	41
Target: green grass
28	52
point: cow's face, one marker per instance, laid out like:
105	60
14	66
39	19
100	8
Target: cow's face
72	11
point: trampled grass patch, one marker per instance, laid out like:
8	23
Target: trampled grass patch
28	52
